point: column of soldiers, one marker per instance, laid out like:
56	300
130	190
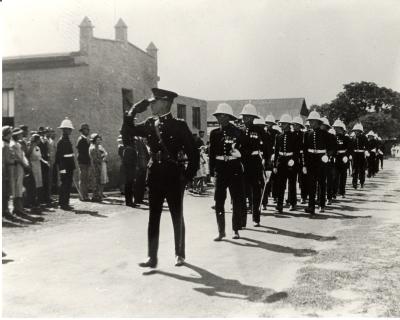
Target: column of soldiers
258	160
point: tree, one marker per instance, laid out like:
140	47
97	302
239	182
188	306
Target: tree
383	124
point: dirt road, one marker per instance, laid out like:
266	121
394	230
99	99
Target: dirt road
345	262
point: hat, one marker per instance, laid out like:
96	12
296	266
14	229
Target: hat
277	128
270	119
339	124
259	121
161	94
358	126
6	130
16	131
307	123
23	127
34	137
224	108
285	118
332	131
371	133
94	136
84	126
66	124
325	121
249	110
42	130
314	115
298	120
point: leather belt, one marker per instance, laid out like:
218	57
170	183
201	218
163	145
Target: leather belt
255	153
285	154
373	150
342	151
317	151
358	150
70	155
225	158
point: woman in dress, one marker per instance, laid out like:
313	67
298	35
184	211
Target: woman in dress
35	158
98	155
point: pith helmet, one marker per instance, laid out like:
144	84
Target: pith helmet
259	121
339	123
371	133
66	124
270	119
224	108
249	110
277	128
314	115
285	118
325	121
358	126
298	120
332	131
307	123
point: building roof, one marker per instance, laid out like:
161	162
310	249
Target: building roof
265	107
121	24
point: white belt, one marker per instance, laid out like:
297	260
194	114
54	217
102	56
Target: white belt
373	150
255	153
301	151
358	150
70	155
225	158
286	154
316	151
341	151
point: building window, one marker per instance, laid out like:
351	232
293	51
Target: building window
196	118
8	107
181	112
127	99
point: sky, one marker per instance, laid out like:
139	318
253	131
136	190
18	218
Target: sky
236	49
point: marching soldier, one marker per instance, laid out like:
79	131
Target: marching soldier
297	124
227	168
285	162
66	164
341	159
329	166
316	145
359	151
372	150
170	140
252	161
381	151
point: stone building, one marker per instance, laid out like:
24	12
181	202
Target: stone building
88	85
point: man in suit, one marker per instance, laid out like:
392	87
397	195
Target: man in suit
169	140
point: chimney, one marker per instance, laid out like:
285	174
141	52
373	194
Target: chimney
152	51
121	31
85	35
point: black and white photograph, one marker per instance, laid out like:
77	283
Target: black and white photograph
200	158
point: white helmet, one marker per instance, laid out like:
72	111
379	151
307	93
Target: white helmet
332	131
314	115
339	123
285	118
224	108
259	121
270	119
325	121
358	126
297	120
277	128
249	110
66	124
371	133
307	123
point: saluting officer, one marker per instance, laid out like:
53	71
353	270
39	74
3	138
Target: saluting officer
341	158
66	164
252	161
285	162
316	144
169	140
358	151
225	165
372	150
297	124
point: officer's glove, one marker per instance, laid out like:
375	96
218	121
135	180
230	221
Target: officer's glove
63	171
275	170
139	107
304	170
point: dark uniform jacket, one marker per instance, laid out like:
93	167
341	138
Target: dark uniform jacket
65	154
82	146
358	143
286	149
167	154
300	142
343	148
222	140
252	141
269	146
316	141
372	146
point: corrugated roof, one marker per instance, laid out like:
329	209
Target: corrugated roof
276	107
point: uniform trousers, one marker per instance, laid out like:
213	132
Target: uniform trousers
330	178
371	161
229	175
130	175
253	177
340	176
84	180
166	182
302	184
316	176
285	175
140	184
358	168
65	188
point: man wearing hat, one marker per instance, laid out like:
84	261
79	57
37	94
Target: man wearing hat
372	147
226	166
169	140
286	161
66	164
82	146
297	124
359	151
316	150
252	147
341	159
